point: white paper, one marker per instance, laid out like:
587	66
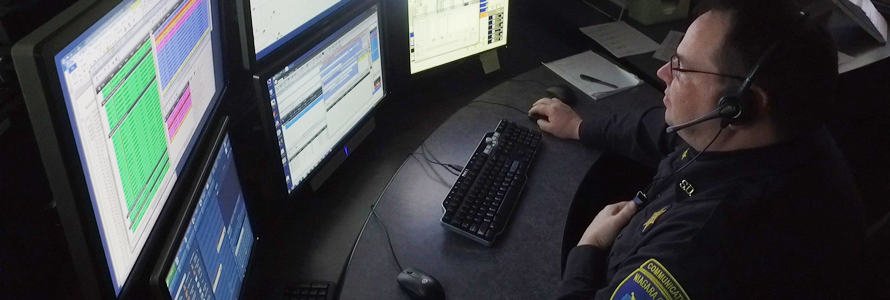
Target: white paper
620	39
669	46
593	65
490	61
843	58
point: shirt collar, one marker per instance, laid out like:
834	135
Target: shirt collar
716	168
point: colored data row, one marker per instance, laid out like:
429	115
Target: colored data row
180	37
134	86
112	85
141	148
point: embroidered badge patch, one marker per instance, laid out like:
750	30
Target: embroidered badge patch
687	187
650	281
654	218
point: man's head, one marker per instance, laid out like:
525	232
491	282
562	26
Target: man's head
793	88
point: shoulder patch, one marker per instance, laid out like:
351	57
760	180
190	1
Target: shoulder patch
651	281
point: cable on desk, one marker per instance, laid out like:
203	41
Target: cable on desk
448	167
424	150
501	104
362	231
388	239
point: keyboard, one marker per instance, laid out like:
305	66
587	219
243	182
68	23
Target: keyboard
310	291
483	196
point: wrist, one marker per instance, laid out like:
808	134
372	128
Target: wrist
577	126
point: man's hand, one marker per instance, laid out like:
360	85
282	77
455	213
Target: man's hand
607	223
561	121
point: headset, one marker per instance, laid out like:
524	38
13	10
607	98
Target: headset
735	107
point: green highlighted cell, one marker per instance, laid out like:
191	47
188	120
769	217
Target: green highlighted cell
171	274
141	148
131	89
132	103
125	70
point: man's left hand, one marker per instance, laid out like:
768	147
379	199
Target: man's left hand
607	223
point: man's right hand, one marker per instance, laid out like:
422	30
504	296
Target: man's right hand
561	121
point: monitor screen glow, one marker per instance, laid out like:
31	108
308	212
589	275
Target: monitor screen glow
277	21
319	98
211	261
440	32
139	85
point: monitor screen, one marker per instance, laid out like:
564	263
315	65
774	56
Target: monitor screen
440	32
321	96
139	85
277	21
212	257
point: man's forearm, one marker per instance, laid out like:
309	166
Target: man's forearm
585	273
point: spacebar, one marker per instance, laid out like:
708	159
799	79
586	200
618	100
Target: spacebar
509	201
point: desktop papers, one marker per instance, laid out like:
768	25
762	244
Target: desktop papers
593	65
620	39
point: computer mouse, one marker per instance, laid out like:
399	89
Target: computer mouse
563	93
420	285
534	117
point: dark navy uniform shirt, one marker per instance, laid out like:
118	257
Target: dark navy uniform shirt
782	221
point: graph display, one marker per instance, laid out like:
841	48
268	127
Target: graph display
277	21
442	31
212	258
139	85
320	97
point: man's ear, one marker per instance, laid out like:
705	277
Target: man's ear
760	104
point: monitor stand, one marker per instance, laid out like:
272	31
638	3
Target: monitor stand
341	154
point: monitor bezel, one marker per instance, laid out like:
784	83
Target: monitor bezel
352	13
249	58
34	57
182	216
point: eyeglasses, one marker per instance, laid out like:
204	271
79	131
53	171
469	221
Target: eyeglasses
675	67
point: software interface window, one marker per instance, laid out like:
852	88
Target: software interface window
212	258
319	98
135	98
441	31
276	21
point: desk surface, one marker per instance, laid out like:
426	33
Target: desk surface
524	263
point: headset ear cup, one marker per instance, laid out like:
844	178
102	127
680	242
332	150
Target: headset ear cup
738	112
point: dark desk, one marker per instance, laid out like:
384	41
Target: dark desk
524	263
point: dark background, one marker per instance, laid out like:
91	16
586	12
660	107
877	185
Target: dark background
309	237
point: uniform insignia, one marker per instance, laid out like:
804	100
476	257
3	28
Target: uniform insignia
687	187
653	218
684	154
649	282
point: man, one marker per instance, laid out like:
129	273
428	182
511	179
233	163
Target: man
757	207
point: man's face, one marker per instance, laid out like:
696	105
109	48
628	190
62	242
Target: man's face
691	95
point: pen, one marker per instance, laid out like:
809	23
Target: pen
591	79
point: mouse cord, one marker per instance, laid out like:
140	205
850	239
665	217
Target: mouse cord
388	239
426	150
362	231
501	104
448	167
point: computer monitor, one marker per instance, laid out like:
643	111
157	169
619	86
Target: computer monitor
440	32
119	92
208	250
266	25
315	103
